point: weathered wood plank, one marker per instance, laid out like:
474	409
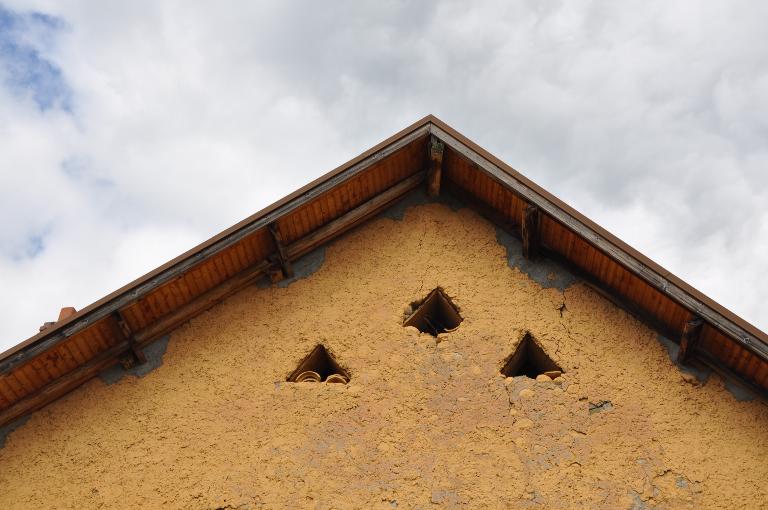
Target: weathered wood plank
282	254
136	354
529	231
63	384
435	167
344	222
200	303
689	340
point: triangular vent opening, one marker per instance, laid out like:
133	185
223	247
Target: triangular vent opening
319	366
530	360
434	314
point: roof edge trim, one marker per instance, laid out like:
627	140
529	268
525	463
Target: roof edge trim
649	271
140	287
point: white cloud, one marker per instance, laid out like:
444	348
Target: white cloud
648	116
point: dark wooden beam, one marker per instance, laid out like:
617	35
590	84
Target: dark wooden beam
275	271
135	354
529	232
282	254
689	340
201	303
434	173
353	217
63	384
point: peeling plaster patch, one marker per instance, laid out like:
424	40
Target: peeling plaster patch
637	502
305	266
263	282
418	197
701	373
6	430
154	353
736	388
397	210
302	268
671	347
451	201
445	497
739	391
546	272
597	407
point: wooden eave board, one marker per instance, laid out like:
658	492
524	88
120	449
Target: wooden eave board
53	362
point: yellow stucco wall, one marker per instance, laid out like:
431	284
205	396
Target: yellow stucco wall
420	424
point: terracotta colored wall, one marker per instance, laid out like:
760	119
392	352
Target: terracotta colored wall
420	423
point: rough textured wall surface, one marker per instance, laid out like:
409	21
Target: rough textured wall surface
422	423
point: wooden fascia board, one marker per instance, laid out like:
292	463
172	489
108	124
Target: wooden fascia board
733	326
165	273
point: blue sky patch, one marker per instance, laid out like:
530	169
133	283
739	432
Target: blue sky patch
79	170
24	69
31	246
35	246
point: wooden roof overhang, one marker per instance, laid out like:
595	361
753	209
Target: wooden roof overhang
427	153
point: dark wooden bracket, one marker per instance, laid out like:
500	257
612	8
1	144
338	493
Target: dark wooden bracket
434	173
282	254
529	232
274	269
135	355
689	340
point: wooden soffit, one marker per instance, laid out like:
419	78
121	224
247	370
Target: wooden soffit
427	154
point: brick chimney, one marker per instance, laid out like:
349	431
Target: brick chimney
64	313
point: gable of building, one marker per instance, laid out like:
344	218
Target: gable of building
429	155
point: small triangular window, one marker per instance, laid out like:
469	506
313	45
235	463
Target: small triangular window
434	314
530	360
319	366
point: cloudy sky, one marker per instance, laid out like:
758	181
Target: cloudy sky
131	131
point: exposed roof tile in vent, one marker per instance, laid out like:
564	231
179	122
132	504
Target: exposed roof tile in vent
434	314
530	360
319	366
